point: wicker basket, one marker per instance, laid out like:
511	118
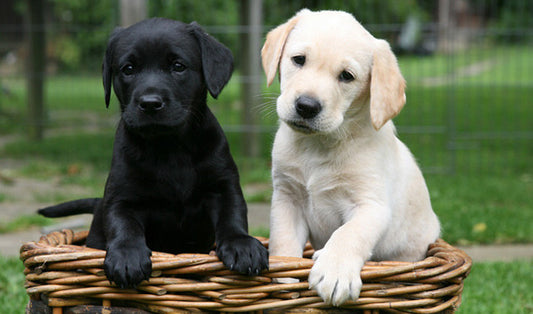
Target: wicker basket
61	274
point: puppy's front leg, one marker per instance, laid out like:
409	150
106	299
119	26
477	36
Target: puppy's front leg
336	272
288	230
127	261
235	248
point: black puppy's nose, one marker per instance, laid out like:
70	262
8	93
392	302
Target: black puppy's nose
307	107
151	103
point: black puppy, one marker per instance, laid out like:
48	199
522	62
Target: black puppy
173	185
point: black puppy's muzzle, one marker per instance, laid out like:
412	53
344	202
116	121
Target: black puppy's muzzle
150	103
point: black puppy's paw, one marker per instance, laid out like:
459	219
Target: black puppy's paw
244	254
127	266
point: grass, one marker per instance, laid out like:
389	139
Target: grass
483	209
63	151
499	288
13	297
490	288
494	65
24	222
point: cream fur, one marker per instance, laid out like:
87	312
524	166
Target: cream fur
342	179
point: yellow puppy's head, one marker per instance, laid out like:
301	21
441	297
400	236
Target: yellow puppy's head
330	69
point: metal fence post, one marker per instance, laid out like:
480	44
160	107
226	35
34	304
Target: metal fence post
35	68
446	31
132	11
251	41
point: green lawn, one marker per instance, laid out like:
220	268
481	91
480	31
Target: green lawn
483	209
492	65
499	288
13	297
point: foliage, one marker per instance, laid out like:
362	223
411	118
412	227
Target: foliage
219	17
366	11
81	29
209	12
514	17
507	21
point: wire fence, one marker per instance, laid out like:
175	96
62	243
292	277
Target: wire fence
469	74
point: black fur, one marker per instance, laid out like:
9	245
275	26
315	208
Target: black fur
173	185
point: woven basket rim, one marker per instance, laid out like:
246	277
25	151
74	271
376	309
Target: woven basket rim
64	273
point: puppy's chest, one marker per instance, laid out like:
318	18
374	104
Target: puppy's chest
172	178
321	178
326	195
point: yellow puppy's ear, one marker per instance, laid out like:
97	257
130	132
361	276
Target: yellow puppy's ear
387	86
274	44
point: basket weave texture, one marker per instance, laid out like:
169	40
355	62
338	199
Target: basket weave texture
62	272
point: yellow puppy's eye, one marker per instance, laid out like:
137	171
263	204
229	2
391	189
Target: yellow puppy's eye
298	60
346	77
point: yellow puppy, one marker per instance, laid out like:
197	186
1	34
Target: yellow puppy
342	179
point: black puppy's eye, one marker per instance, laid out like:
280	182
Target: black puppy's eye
346	77
128	69
298	60
178	67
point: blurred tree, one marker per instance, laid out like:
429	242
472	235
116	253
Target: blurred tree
514	17
80	32
83	25
220	18
365	11
251	19
506	19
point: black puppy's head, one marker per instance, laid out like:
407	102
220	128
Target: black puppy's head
161	71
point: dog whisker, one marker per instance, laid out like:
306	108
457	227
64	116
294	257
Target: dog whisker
266	110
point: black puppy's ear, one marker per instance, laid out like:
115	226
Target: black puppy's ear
107	65
217	60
